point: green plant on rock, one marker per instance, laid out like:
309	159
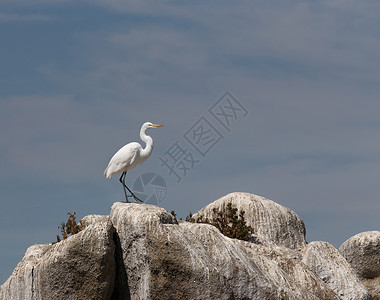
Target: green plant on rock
230	223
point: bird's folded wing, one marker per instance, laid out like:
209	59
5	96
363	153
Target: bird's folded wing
123	159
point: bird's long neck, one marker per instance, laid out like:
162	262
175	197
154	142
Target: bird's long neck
149	144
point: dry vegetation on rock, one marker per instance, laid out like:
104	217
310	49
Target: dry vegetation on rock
70	227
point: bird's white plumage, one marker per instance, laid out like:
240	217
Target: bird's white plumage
131	154
124	159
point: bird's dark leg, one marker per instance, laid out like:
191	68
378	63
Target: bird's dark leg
122	180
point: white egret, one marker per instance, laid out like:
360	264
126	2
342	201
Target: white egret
129	157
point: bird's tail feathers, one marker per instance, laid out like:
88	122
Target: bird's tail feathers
108	176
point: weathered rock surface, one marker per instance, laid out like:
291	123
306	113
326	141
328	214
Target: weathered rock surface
141	251
362	251
79	267
270	221
329	265
167	260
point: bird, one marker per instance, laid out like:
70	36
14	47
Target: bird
129	156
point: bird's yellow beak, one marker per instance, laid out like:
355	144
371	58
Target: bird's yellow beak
156	125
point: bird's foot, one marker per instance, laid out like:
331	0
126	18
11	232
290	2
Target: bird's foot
137	199
134	197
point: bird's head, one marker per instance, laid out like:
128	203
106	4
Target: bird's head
148	125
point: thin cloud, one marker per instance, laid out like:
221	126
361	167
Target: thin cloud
12	17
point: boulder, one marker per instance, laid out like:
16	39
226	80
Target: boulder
141	251
271	222
362	251
79	267
329	265
165	259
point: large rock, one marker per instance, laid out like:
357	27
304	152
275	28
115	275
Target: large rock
271	222
362	251
330	266
164	259
79	267
142	252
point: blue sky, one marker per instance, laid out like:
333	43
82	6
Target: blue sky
78	78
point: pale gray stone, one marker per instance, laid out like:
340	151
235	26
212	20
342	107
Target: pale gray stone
362	251
271	222
79	267
169	260
141	251
330	266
